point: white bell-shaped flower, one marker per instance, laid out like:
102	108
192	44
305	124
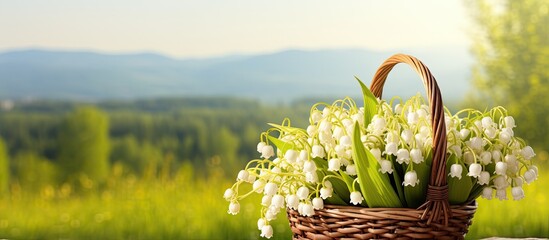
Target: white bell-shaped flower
491	132
496	155
517	182
229	193
267	151
412	118
398	108
386	166
528	153
258	185
251	178
456	149
485	158
260	223
416	155
356	198
351	170
243	175
456	171
318	203
277	201
487	193
530	176
474	170
391	148
317	151
509	122
311	177
504	136
234	208
309	166
377	153
517	192
407	135
487	122
484	178
392	137
338	132
501	194
410	179
468	157
266	200
325	126
303	192
271	213
345	141
378	123
403	156
260	146
303	156
267	231
326	192
316	116
334	164
312	130
270	188
292	201
501	168
421	113
291	155
475	143
500	182
464	133
307	209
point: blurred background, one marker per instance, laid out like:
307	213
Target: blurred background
128	119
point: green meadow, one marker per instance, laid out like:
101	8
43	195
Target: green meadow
187	207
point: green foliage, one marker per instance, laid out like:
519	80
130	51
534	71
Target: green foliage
183	207
84	144
375	186
511	46
33	172
4	167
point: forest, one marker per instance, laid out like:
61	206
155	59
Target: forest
142	136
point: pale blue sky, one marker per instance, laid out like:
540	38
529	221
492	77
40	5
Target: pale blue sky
183	28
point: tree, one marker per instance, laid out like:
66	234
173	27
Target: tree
511	47
4	167
33	172
84	145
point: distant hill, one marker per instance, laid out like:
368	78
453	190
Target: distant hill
276	77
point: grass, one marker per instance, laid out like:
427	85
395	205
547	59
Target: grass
183	208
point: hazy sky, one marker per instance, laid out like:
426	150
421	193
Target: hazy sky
184	28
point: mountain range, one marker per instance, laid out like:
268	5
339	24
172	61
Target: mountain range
272	77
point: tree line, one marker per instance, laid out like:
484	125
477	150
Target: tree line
55	142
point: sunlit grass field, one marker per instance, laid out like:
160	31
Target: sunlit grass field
183	208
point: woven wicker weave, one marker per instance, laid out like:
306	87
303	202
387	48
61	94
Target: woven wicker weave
435	219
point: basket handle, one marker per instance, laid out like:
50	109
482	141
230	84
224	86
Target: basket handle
437	193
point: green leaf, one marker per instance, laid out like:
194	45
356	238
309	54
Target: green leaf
370	103
287	129
339	186
336	200
398	182
281	145
320	163
459	189
376	186
415	196
349	182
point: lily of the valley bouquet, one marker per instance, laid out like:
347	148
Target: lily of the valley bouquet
380	155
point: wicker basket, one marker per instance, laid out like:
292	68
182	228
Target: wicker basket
435	219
